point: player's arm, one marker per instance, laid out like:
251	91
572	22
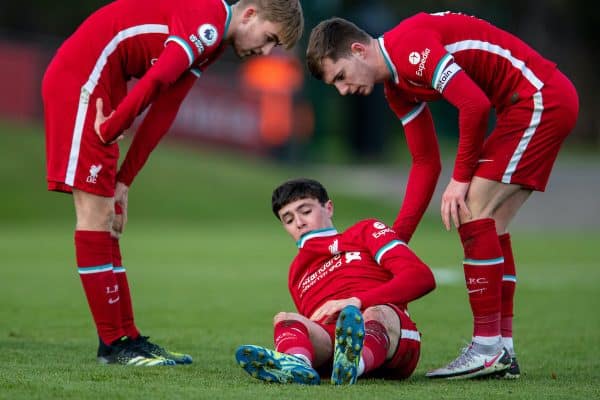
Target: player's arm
171	64
473	108
155	125
425	168
412	278
473	114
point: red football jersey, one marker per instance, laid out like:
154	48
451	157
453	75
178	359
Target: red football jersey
156	41
367	261
470	63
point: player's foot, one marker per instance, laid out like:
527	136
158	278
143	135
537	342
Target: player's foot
143	343
512	372
273	366
471	364
349	336
125	352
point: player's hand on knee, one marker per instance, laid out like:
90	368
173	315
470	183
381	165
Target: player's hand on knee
100	119
121	199
454	204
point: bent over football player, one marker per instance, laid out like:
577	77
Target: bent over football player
166	44
351	290
475	66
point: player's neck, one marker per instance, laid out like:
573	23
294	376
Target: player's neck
382	72
236	19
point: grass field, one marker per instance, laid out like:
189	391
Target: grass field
207	263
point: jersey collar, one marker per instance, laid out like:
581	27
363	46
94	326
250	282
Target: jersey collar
326	232
228	18
388	60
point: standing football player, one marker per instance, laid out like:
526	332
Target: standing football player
363	277
166	44
474	66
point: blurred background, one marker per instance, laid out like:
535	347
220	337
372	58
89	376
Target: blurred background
272	109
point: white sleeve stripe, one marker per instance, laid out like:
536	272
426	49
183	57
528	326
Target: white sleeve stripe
382	251
196	72
446	76
184	45
410	335
414	113
440	67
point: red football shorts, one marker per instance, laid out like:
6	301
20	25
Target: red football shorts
405	359
75	156
524	144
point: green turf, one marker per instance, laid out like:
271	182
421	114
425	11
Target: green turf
208	263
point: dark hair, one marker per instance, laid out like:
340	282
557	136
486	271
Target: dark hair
297	189
332	39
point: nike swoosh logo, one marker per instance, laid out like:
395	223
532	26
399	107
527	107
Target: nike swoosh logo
113	301
476	290
487	364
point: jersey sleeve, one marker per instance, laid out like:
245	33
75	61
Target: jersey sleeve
426	162
411	278
155	125
171	64
198	32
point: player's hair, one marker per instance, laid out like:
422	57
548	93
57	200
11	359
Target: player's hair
332	39
287	13
297	189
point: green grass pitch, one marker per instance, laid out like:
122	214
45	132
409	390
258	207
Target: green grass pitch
207	263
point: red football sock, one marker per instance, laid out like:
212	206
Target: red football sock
483	276
509	283
127	320
94	261
376	345
291	337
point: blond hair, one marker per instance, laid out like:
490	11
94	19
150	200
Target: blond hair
332	39
287	13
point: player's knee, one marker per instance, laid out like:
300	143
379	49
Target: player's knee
387	317
285	316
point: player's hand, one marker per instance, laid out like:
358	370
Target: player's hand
100	119
453	203
120	220
330	309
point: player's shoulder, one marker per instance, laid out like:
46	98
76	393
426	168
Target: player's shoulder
368	225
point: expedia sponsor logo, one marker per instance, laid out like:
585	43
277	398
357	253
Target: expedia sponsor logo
424	56
382	232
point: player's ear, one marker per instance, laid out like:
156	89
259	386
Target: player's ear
248	13
329	208
358	49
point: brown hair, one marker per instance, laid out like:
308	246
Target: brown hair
332	39
287	13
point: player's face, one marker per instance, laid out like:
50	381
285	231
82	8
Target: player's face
255	36
305	215
349	75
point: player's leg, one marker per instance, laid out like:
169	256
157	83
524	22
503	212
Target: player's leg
405	344
382	334
348	347
503	216
77	162
299	343
483	268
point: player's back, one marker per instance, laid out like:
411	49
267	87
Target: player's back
499	62
129	35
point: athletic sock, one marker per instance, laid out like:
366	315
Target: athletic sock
483	275
127	320
376	345
94	260
509	283
291	337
